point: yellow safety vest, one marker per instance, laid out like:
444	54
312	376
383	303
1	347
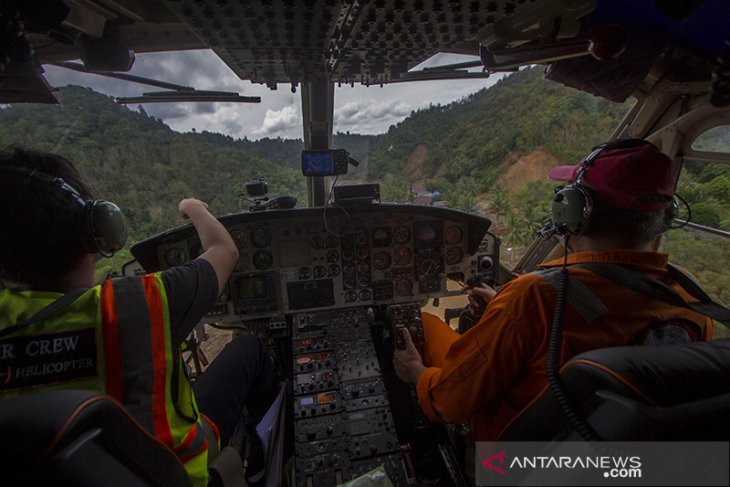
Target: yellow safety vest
115	338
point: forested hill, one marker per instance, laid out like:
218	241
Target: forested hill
470	140
141	164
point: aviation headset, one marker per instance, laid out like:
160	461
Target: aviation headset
107	228
572	204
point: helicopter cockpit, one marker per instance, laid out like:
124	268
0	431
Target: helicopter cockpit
329	283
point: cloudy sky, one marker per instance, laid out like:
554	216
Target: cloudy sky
357	109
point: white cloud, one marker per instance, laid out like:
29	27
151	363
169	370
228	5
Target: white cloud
277	122
357	109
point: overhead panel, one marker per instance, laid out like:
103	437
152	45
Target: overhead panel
343	41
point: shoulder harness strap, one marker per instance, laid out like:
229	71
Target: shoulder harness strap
655	289
582	299
56	305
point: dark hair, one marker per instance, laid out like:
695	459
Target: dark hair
43	227
633	226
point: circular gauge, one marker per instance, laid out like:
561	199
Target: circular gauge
425	232
239	237
454	255
364	281
401	234
260	237
403	287
331	241
349	283
361	239
348	269
365	295
350	296
320	272
348	255
317	243
262	259
381	237
304	273
453	234
333	270
402	255
381	260
175	256
332	256
363	253
363	268
427	268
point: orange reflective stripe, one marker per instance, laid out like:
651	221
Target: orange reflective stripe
112	346
194	440
186	459
157	334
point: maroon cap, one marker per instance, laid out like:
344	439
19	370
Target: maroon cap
635	178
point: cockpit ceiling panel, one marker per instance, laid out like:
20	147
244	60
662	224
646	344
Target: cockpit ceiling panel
344	41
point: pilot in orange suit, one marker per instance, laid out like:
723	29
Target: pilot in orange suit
494	370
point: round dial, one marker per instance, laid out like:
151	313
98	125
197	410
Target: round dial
304	273
333	270
361	239
320	272
454	255
331	241
427	268
175	256
426	232
381	260
365	295
260	237
317	243
262	259
403	287
381	237
453	234
401	234
363	253
350	296
403	255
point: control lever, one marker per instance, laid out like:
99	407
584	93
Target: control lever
466	319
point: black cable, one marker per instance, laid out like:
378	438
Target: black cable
576	420
689	214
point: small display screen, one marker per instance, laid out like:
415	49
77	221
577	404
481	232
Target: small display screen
306	401
317	163
326	397
251	287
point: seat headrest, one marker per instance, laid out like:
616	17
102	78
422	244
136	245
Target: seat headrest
658	375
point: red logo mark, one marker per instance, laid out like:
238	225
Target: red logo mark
488	463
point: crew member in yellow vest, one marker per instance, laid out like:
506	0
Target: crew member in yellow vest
122	337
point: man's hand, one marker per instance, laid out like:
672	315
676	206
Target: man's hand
479	298
408	363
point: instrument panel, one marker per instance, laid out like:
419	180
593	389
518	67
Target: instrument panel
314	259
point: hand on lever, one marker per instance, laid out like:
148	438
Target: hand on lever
408	363
479	298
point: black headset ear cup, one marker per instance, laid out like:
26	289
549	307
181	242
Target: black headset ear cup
108	227
571	209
